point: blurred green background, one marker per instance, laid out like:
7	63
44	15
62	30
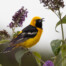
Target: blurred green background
8	59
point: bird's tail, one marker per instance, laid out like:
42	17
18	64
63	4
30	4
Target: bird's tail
8	49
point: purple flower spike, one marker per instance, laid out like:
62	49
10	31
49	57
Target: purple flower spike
48	63
11	25
18	18
53	4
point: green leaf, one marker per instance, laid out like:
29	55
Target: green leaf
37	57
55	45
63	22
16	34
3	41
19	55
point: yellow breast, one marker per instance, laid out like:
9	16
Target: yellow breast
32	41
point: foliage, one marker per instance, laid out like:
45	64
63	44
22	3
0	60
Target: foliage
64	55
37	57
19	55
17	21
56	45
3	41
15	34
63	22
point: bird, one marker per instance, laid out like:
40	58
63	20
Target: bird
29	36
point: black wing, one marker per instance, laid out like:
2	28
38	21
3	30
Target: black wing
28	32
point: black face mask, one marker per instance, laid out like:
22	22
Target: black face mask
39	23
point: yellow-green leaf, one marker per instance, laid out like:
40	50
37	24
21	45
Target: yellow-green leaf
3	41
16	34
63	22
37	57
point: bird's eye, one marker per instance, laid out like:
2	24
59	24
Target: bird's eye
39	20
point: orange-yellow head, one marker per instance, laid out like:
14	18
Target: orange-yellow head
37	22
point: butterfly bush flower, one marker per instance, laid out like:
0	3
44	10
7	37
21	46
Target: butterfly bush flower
53	4
18	18
11	25
48	63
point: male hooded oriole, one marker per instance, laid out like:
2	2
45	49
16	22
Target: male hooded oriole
29	36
